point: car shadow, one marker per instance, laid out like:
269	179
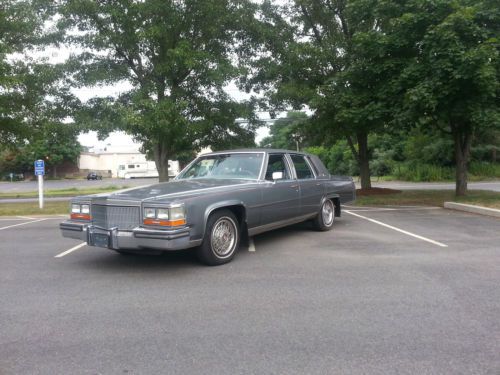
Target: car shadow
183	260
277	235
112	261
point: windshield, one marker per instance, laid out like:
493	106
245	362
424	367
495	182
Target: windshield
244	166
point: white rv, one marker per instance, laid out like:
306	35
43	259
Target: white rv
144	169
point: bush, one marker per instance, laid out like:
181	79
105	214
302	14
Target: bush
422	172
484	169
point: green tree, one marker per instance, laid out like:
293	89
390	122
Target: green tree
332	57
453	80
54	143
178	56
287	132
32	92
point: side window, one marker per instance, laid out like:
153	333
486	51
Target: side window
277	163
301	167
311	163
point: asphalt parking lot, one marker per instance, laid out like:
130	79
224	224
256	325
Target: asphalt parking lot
388	291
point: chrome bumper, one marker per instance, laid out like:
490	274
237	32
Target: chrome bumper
136	239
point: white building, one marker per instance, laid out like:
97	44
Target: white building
107	162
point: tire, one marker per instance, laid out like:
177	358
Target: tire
222	239
326	216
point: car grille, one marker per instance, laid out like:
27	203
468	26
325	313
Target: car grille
121	217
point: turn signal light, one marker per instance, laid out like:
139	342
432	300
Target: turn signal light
80	216
165	223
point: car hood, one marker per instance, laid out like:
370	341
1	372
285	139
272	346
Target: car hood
175	189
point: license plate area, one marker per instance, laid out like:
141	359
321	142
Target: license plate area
99	239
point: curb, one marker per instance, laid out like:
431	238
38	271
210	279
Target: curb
472	209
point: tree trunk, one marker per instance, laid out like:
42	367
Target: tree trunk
362	158
364	161
54	171
462	139
161	161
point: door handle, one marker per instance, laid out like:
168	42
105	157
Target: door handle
294	186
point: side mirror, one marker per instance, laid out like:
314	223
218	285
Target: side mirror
277	176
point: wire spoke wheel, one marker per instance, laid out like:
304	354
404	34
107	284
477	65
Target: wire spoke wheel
223	239
327	212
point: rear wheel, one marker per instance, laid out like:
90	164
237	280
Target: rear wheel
222	239
326	216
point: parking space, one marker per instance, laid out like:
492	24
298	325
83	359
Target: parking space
370	296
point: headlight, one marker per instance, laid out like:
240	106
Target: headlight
167	217
162	214
177	213
80	211
150	213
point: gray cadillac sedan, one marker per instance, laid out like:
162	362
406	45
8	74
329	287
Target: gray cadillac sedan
215	201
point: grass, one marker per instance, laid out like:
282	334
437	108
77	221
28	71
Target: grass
70	192
31	208
430	198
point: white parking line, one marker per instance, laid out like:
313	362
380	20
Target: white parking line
27	217
251	245
397	229
394	209
70	250
16	225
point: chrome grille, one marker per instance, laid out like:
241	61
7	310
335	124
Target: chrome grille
122	217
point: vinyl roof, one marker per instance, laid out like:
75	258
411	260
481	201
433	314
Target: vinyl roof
266	150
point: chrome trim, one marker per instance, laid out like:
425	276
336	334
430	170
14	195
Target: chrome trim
72	227
160	234
279	224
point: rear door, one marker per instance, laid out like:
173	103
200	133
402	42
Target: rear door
280	198
311	188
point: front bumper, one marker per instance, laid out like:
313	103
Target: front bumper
136	239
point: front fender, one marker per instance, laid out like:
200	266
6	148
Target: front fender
222	204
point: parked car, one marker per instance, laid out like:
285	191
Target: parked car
215	201
94	176
13	177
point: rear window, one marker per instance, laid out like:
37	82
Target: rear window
301	167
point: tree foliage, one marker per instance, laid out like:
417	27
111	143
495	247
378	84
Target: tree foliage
178	56
32	90
453	81
367	67
288	132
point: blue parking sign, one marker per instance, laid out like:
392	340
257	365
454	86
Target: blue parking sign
39	167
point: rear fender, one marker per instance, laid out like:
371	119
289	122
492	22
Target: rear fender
335	198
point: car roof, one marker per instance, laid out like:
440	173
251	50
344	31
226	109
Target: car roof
265	150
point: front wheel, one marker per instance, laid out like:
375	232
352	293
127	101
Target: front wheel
222	239
326	216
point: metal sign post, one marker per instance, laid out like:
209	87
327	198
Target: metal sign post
40	171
